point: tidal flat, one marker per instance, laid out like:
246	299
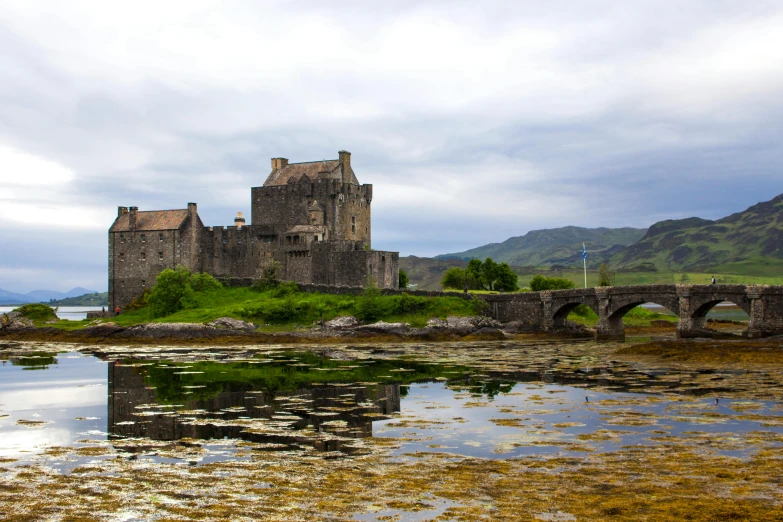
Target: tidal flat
523	429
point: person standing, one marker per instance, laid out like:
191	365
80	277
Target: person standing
713	280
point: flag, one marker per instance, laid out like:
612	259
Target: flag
584	252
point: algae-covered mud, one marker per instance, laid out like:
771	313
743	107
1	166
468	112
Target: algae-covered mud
516	430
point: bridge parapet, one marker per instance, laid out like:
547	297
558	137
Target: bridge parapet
548	310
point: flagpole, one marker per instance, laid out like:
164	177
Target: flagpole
584	260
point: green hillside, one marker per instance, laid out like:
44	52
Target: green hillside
748	242
557	246
96	299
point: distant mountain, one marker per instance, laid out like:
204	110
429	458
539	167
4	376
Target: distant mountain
40	296
748	242
556	246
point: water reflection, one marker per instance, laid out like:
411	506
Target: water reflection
325	416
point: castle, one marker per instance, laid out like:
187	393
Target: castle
312	218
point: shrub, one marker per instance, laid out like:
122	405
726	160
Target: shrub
138	303
454	277
285	289
642	313
540	282
403	279
407	303
369	306
172	292
267	276
37	311
585	311
203	281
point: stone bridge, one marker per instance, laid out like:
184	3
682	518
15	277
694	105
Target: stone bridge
548	310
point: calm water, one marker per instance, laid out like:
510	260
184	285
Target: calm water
72	313
289	401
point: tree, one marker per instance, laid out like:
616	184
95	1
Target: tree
172	292
403	279
505	279
489	273
454	277
606	277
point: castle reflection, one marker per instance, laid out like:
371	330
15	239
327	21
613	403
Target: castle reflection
327	416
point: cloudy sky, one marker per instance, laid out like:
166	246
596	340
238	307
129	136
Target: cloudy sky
475	121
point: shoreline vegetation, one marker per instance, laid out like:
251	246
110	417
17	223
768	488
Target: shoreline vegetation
194	308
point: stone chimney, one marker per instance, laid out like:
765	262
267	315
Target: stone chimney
279	163
239	221
133	213
345	160
121	211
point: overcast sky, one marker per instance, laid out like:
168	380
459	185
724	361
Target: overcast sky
475	121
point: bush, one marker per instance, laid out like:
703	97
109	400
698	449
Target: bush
369	306
540	282
37	312
285	289
585	311
407	303
203	281
642	313
403	279
138	303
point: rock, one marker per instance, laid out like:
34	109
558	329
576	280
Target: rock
464	325
100	330
159	330
229	323
13	321
385	328
341	323
491	333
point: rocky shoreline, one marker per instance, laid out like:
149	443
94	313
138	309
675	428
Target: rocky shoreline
229	330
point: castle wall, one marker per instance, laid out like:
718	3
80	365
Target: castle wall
136	258
346	207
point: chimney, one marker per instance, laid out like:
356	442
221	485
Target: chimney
121	211
192	208
239	221
279	163
345	160
133	213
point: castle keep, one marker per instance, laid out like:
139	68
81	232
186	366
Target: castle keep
313	218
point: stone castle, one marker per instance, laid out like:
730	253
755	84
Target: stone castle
312	218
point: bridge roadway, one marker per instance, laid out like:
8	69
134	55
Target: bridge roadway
548	310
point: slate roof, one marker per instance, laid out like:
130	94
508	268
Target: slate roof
293	172
151	220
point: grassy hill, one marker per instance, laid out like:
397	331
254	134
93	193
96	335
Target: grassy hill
748	243
557	246
94	299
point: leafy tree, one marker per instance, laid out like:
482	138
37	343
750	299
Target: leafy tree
172	292
489	273
540	282
473	274
454	277
505	278
606	277
403	279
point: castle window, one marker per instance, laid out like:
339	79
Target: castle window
143	238
383	259
143	282
315	238
160	256
122	237
353	224
143	256
122	256
296	240
160	236
123	283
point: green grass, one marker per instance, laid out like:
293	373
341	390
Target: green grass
658	278
297	309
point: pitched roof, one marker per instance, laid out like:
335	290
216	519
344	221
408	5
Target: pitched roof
151	220
293	172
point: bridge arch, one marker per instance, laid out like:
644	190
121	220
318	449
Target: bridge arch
560	315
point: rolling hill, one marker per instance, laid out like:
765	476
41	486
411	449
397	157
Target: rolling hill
748	242
557	246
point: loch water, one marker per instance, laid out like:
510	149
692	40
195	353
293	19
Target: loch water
500	401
